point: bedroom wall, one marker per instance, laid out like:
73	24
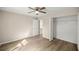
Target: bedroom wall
14	26
66	28
47	29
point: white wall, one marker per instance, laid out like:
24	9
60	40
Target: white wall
14	26
41	26
66	28
47	28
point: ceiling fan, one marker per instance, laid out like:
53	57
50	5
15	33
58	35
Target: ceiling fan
37	10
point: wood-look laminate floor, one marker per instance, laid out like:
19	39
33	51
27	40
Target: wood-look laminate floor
39	43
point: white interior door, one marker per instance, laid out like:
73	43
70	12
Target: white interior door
36	27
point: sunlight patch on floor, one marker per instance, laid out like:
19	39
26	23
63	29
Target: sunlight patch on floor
22	43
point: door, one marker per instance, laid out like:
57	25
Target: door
36	27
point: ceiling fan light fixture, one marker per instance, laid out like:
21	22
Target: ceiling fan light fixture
36	12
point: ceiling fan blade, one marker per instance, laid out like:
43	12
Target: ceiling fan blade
42	8
31	8
31	11
42	11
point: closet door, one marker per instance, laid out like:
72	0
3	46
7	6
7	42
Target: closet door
66	28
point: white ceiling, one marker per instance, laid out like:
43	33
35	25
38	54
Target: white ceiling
49	10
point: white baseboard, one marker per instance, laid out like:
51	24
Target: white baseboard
15	40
